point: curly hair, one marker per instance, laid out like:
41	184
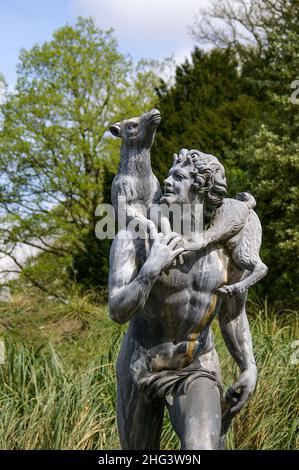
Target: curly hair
209	178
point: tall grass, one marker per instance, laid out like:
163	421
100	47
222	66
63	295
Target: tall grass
45	405
271	419
51	403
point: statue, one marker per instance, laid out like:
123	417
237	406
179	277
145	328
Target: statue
170	287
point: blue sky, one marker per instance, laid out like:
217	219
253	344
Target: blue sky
144	28
24	23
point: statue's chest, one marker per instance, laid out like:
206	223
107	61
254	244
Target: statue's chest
201	272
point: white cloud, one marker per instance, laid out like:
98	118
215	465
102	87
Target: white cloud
145	28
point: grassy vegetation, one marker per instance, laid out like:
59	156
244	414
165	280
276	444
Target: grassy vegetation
57	386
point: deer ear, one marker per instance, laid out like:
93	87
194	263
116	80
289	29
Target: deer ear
115	129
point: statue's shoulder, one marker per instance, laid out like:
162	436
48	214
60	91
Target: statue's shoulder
230	217
233	209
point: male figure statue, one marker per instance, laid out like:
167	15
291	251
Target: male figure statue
167	357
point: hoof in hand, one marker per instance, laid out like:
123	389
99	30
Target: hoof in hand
227	291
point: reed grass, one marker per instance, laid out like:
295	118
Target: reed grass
54	396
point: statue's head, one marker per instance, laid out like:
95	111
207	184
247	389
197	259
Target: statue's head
196	175
139	131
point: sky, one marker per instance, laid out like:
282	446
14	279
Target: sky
144	28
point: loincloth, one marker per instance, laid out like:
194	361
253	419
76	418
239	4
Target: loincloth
167	383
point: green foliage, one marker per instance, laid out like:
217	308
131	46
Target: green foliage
207	108
90	266
55	151
81	324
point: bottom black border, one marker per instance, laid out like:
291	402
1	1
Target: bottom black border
134	459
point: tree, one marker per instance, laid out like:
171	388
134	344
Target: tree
208	107
242	24
54	147
268	160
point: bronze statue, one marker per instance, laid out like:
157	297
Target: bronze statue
170	287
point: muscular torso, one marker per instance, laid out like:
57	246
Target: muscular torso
173	326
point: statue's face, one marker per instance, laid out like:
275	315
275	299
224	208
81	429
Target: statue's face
178	187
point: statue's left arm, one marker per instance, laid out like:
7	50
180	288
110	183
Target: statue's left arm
236	333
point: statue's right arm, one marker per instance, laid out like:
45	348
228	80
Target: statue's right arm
128	288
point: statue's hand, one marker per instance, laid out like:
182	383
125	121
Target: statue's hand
164	250
240	391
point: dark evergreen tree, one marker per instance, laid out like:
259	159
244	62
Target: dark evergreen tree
207	108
